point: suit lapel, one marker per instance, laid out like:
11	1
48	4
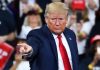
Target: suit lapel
69	40
70	43
51	40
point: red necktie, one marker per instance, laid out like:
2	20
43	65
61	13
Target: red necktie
64	54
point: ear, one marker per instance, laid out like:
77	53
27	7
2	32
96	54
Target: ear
46	20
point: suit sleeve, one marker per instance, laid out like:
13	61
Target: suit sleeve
74	37
33	41
75	47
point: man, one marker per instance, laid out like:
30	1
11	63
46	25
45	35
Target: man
54	46
7	32
7	26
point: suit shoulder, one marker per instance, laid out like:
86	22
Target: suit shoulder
34	32
69	30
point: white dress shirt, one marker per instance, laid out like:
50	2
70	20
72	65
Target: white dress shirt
65	43
23	65
25	30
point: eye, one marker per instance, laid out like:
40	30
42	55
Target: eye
61	18
53	18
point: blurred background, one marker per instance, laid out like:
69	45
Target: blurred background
19	17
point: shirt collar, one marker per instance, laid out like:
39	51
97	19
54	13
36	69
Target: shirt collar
55	36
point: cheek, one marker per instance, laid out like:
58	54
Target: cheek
63	25
51	26
50	23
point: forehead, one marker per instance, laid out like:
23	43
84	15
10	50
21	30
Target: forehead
55	14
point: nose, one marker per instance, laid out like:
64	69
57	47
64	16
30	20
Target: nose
57	22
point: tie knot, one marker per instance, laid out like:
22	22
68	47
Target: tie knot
59	36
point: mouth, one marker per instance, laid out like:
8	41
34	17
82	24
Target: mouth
57	27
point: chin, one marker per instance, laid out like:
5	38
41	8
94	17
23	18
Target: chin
58	32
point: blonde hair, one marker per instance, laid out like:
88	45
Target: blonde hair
56	7
26	22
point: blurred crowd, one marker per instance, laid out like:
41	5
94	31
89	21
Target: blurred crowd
19	17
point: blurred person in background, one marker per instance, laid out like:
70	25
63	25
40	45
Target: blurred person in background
7	30
19	63
78	7
92	6
72	22
82	7
96	27
23	9
7	24
89	17
19	8
25	6
13	7
32	21
92	59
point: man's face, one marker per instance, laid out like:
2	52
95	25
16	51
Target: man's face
56	22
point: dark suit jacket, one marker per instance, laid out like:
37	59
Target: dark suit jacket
44	49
